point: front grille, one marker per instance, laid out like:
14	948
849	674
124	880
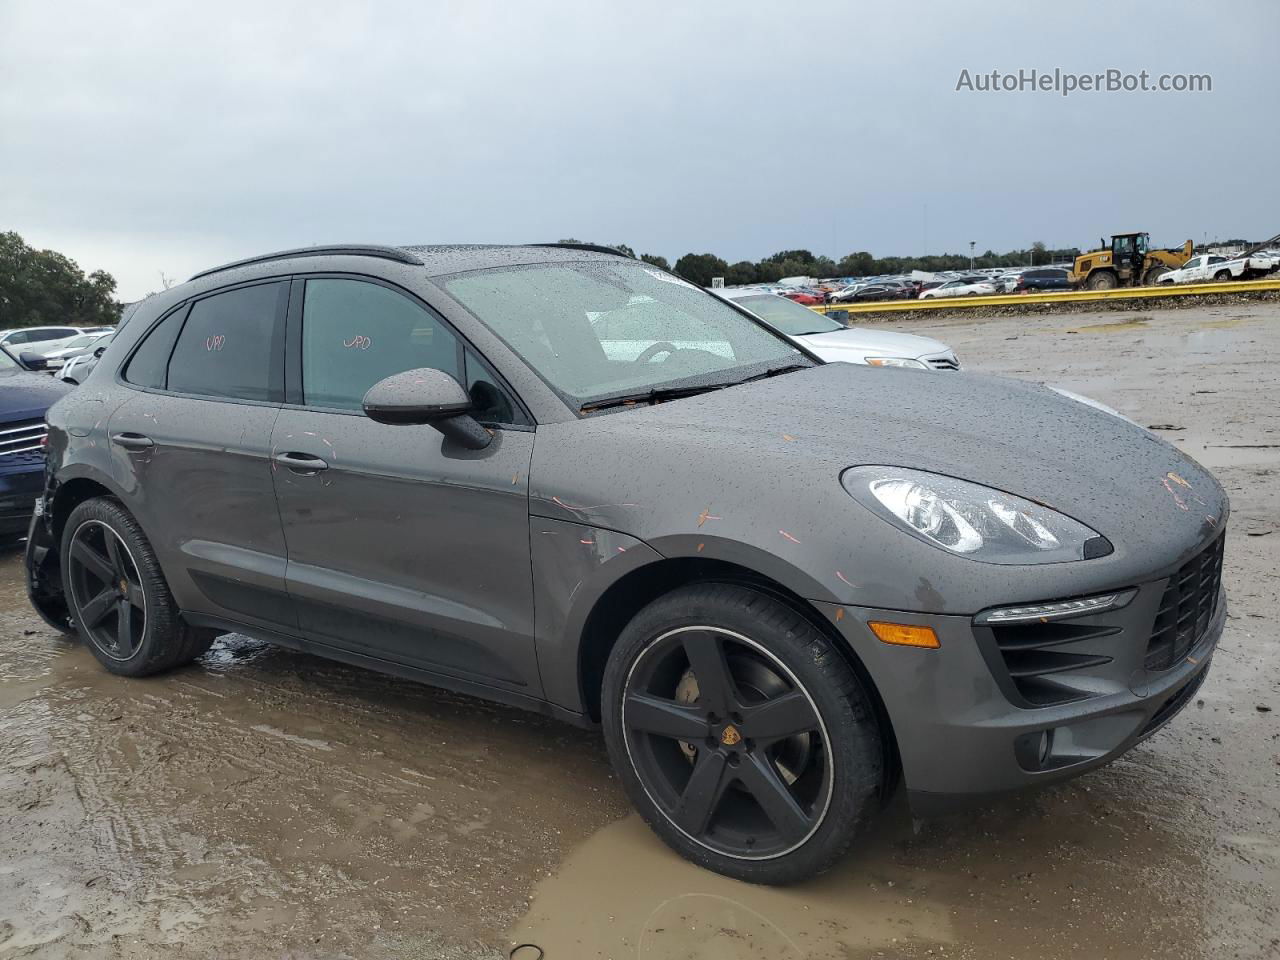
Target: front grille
23	442
943	363
1187	608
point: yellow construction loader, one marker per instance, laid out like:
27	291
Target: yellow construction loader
1128	262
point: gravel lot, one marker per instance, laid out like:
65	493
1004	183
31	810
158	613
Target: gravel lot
266	803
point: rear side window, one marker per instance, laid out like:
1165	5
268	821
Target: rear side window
150	361
356	333
230	345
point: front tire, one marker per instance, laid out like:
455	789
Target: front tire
740	735
1101	280
117	595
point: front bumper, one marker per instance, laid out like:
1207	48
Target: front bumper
964	731
19	489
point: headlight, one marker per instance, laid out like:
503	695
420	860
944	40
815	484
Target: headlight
972	520
895	362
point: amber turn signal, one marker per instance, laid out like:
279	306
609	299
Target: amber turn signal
904	634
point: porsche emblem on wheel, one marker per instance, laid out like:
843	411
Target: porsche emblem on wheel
730	737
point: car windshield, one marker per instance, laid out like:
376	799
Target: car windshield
787	315
593	329
84	341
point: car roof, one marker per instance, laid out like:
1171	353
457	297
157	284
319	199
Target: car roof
441	259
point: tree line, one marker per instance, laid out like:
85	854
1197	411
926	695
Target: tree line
45	287
699	268
39	287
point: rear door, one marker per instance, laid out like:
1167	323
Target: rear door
402	546
191	451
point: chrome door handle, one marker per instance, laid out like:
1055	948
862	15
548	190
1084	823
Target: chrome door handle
300	462
133	441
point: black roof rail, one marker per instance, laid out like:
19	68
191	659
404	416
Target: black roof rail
353	249
590	247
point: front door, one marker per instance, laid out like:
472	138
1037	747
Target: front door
402	545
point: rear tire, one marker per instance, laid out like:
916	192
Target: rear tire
1222	275
762	762
117	595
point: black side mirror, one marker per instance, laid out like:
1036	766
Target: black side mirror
33	361
426	396
99	352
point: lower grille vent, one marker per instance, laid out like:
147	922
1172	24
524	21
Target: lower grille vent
1035	658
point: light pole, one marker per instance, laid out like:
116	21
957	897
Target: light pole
971	243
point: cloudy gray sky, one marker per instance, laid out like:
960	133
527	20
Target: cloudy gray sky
149	137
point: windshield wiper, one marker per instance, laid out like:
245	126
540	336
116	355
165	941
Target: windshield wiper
656	395
661	394
772	372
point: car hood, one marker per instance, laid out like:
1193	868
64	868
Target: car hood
763	461
25	395
857	343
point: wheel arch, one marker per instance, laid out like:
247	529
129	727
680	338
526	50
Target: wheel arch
70	493
625	597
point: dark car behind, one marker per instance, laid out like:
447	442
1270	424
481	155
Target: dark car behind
24	398
1043	279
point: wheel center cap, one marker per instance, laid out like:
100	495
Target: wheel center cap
730	736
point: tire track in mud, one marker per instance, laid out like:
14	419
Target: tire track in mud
266	790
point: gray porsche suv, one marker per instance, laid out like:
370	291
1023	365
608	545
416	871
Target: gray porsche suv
561	478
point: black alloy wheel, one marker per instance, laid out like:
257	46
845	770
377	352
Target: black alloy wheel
729	744
106	590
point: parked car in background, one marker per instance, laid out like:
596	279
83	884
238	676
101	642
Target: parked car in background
78	367
21	338
845	294
808	298
1043	278
779	586
1204	267
965	287
1006	282
24	398
869	291
64	350
836	343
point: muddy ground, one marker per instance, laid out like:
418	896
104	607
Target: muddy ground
264	803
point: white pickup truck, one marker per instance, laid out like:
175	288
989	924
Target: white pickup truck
1210	266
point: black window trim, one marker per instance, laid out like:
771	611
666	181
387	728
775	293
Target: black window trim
293	395
185	306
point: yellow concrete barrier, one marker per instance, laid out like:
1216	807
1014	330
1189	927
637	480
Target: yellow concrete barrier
1065	296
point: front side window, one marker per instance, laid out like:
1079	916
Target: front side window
356	333
594	329
230	345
